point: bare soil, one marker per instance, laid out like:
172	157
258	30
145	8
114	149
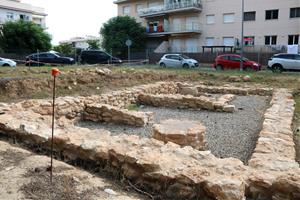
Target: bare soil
24	175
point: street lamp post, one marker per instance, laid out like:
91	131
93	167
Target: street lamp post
242	38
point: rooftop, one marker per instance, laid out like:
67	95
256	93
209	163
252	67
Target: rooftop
22	7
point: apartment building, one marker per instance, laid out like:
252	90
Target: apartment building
188	25
13	10
81	42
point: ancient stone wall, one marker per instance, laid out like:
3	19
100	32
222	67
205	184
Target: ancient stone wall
111	114
185	101
168	169
274	159
234	90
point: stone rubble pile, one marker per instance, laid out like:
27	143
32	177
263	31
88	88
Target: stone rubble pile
185	101
110	114
181	132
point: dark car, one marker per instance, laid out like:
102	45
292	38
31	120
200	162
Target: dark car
98	57
233	61
48	58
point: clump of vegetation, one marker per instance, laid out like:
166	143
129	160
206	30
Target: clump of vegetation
133	107
23	37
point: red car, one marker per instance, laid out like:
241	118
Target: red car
233	61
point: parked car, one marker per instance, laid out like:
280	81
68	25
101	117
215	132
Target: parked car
98	57
233	61
177	60
284	62
48	58
4	62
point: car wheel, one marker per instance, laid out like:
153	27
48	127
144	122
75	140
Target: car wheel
219	68
5	65
186	65
163	65
277	68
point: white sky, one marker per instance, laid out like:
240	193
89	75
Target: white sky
71	18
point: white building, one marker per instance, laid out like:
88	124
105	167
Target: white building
80	42
13	10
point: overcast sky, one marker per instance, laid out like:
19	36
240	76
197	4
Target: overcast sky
71	18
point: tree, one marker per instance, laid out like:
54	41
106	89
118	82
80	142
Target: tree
23	37
65	49
117	30
93	44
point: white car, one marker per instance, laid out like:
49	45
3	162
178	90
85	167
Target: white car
7	62
284	62
177	60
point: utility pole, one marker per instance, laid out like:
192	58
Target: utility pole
242	38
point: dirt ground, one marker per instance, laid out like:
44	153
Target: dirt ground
24	175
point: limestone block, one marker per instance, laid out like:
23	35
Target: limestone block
181	132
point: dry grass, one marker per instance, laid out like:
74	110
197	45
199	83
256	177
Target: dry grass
63	187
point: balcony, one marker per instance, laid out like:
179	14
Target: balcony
160	31
184	6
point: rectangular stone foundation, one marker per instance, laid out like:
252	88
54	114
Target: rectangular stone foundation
167	169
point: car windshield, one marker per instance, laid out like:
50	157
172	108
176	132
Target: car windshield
245	59
184	56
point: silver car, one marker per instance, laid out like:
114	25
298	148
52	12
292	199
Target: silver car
7	62
177	60
284	62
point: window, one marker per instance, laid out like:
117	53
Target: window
293	39
210	19
297	57
228	18
10	16
225	57
126	10
235	58
174	57
295	12
138	8
249	16
210	41
272	14
249	40
271	40
24	17
228	41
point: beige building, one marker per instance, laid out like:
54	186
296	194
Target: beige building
188	25
13	10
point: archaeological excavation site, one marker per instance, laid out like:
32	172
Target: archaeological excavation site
171	140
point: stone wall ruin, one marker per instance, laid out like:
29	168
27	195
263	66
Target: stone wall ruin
168	169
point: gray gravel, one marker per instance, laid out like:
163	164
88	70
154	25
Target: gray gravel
227	134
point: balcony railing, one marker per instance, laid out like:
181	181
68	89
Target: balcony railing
161	30
187	5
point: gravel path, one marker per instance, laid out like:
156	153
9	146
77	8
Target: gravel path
227	134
